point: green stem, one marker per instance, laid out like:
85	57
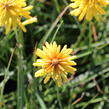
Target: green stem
20	92
6	77
52	27
20	71
56	31
58	97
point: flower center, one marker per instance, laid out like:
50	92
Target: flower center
7	4
55	61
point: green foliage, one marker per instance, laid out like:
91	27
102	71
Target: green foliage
89	89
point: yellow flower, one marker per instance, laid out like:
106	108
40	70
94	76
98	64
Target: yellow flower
88	8
55	63
11	12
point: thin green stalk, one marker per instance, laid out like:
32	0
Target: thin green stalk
52	27
58	97
89	102
20	92
56	31
76	20
90	35
20	72
41	102
6	77
57	5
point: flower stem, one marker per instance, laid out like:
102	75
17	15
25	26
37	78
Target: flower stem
20	88
45	37
20	70
6	78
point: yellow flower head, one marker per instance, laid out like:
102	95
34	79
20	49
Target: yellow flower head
88	8
55	63
11	12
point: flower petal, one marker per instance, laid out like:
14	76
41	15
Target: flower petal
64	77
41	53
69	69
59	81
47	78
40	72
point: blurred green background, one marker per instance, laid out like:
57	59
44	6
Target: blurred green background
88	89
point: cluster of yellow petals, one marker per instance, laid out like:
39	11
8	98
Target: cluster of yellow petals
55	63
11	12
88	8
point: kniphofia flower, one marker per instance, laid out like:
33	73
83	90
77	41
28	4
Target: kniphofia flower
54	63
88	8
11	13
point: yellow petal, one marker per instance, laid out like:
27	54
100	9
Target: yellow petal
41	53
50	68
47	78
83	13
41	62
58	49
21	25
69	69
29	21
40	72
28	8
47	44
37	64
54	45
100	10
68	63
59	81
8	25
60	68
64	77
